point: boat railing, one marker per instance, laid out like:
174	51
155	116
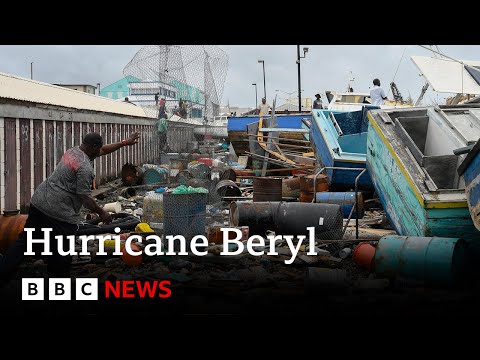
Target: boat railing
362	171
335	123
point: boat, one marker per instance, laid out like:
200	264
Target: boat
340	140
355	101
469	169
290	126
216	127
411	160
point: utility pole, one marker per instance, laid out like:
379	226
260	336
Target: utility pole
299	81
305	50
31	70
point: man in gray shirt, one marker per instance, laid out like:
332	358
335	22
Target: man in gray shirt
56	204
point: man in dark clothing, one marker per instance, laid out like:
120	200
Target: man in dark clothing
57	201
317	104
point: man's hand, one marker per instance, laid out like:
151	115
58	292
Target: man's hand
105	217
133	139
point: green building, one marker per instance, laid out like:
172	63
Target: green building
119	89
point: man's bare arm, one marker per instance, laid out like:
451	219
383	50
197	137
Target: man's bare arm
109	148
90	203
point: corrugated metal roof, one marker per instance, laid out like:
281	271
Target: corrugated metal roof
13	87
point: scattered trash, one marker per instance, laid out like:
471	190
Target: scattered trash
344	253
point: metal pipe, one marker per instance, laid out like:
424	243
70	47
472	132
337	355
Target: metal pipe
356	200
348	220
356	186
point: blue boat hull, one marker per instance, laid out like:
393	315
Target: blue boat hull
326	140
237	129
470	170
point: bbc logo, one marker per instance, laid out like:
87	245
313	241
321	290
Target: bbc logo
59	289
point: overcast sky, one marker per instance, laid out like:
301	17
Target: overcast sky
325	67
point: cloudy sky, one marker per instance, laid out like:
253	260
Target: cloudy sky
325	67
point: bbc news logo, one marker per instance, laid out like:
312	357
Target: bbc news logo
87	289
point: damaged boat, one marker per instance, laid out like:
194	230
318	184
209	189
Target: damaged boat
410	157
290	126
340	140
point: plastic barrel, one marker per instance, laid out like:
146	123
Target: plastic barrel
153	175
199	170
346	200
184	214
427	260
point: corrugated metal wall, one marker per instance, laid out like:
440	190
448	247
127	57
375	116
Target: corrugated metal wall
34	138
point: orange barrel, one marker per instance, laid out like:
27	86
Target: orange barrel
11	226
306	186
267	189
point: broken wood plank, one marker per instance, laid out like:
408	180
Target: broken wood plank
281	138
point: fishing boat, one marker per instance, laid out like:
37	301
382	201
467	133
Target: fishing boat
355	101
288	124
411	160
340	140
469	169
216	127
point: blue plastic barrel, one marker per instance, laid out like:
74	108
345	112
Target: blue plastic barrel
153	175
346	200
427	260
184	214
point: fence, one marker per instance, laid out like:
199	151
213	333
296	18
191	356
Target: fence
33	138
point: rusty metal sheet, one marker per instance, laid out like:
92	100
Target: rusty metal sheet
38	164
49	141
25	165
76	134
68	135
96	162
10	165
59	144
84	131
108	140
116	131
103	132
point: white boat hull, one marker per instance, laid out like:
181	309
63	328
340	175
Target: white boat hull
215	131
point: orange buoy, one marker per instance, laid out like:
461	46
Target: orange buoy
364	255
131	260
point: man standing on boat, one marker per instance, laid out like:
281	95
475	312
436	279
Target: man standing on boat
377	95
264	107
317	103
